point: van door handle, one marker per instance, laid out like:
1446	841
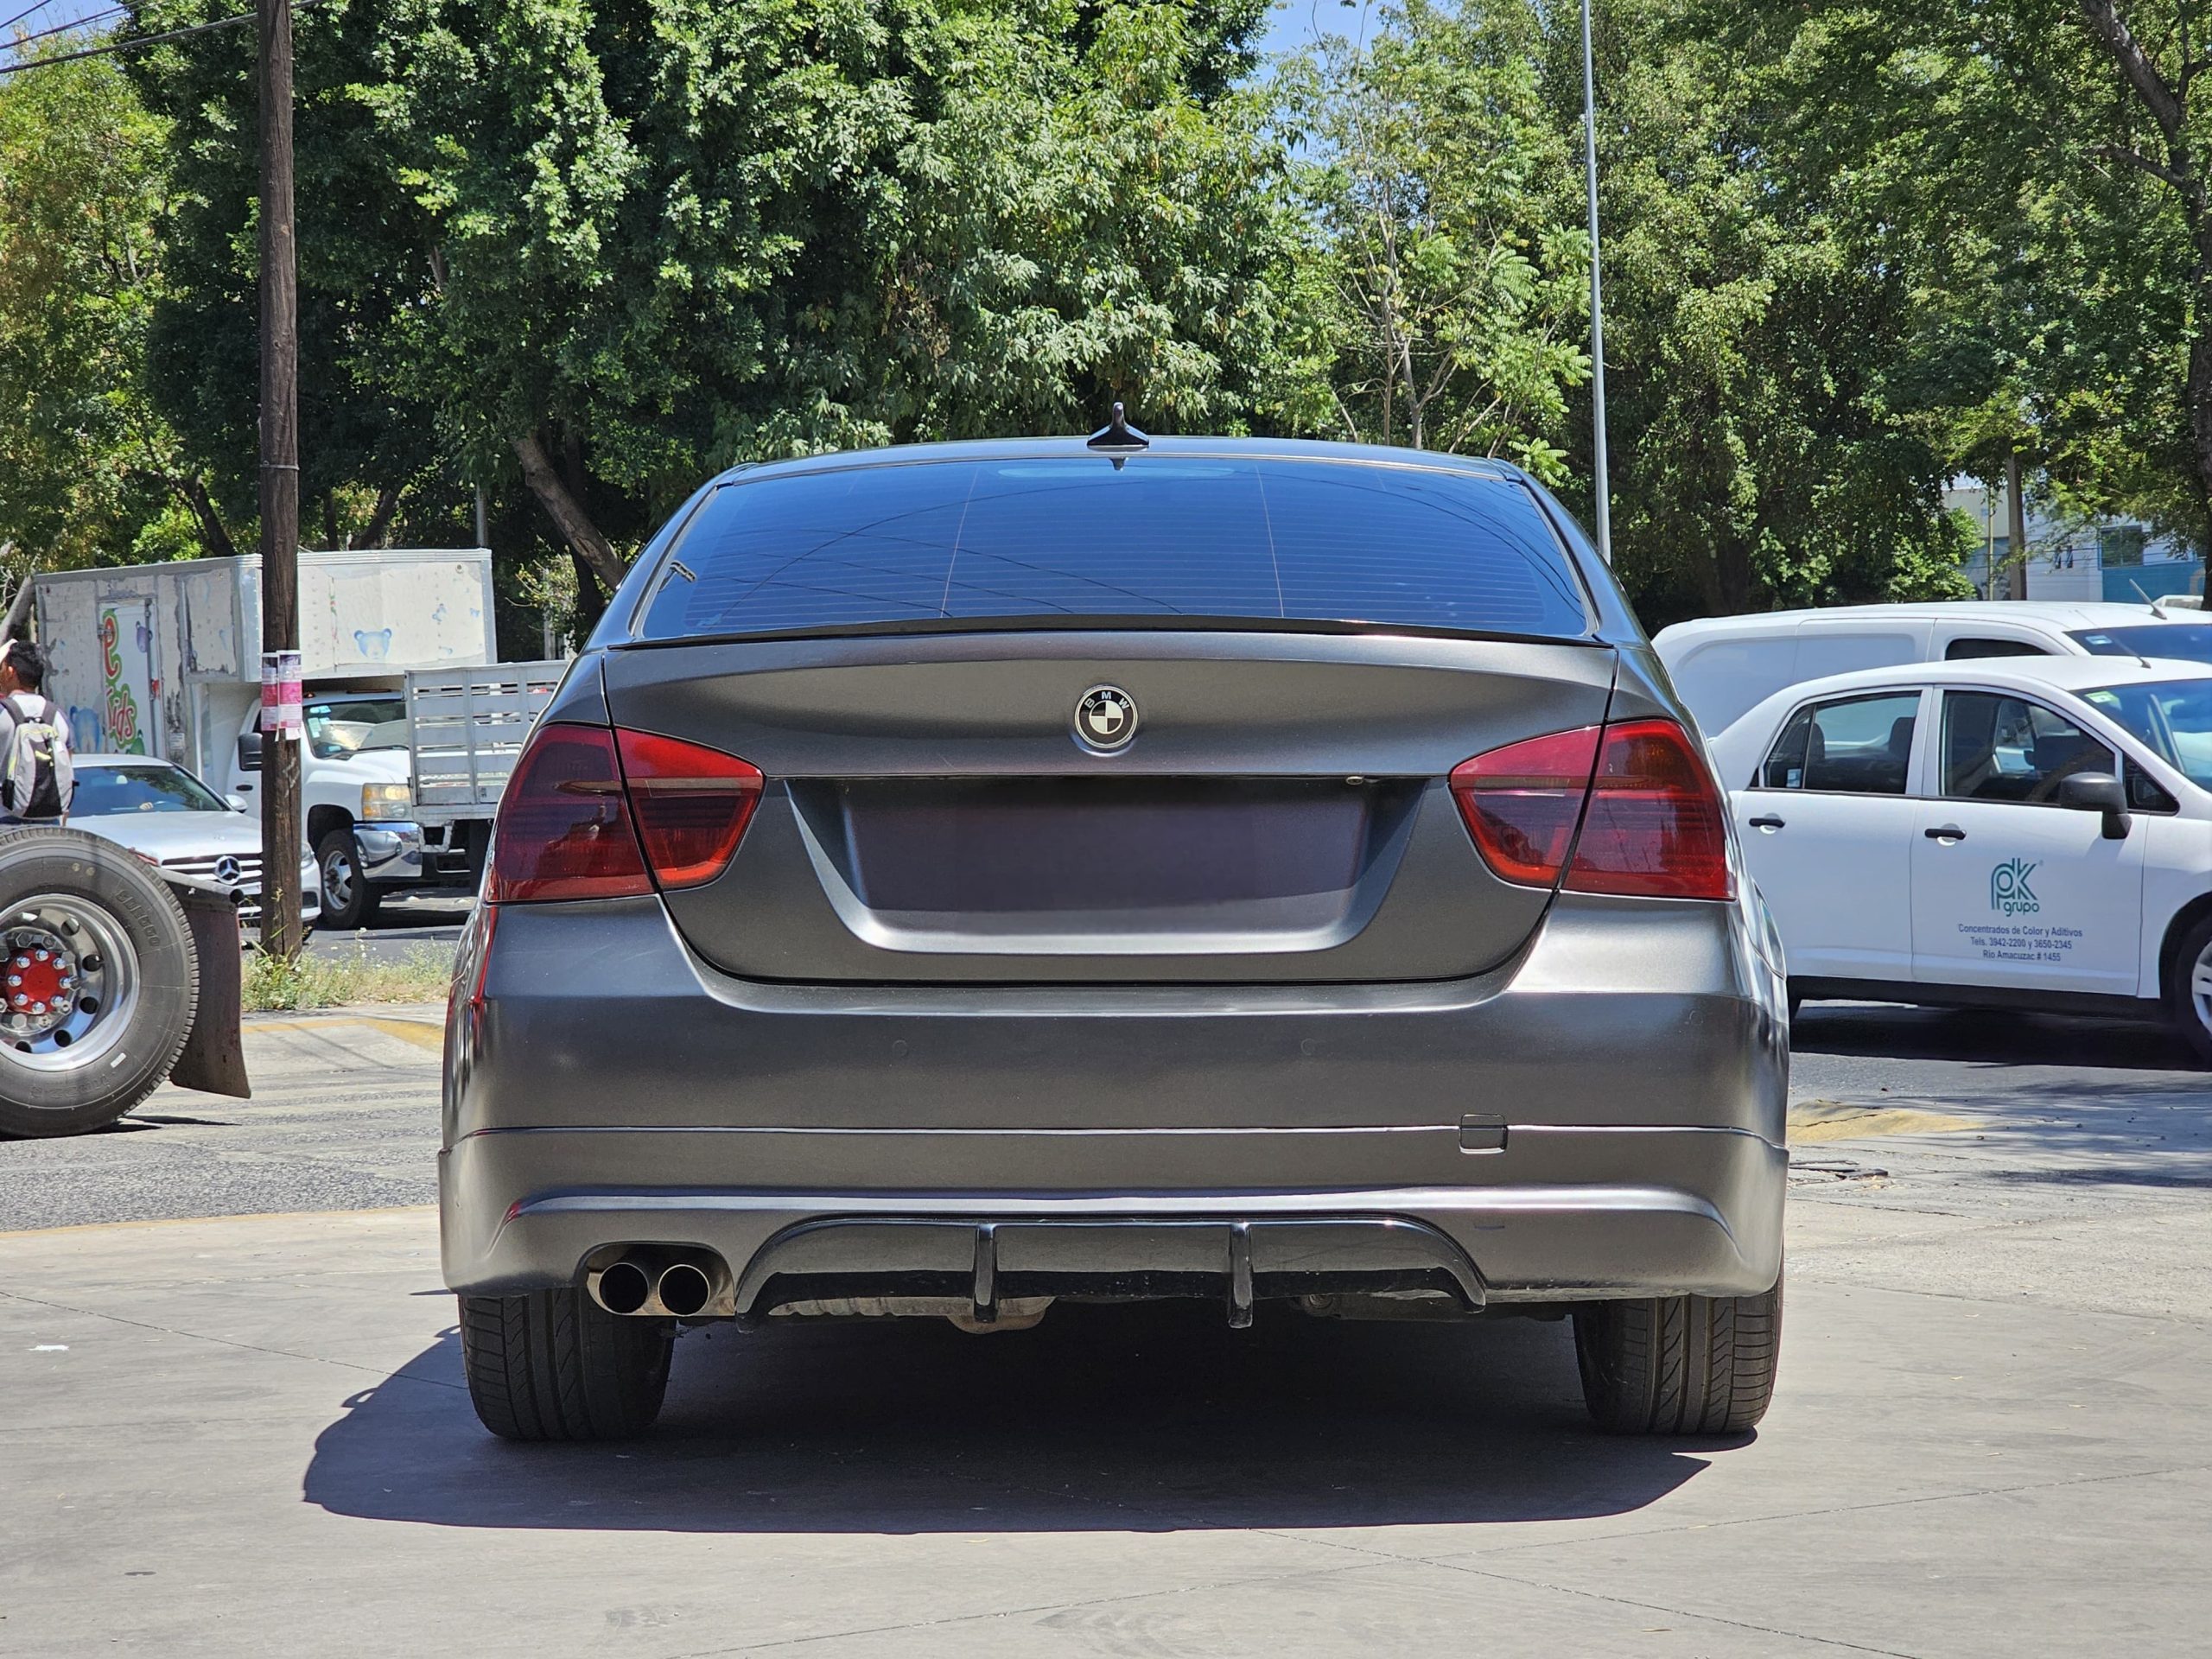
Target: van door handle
1945	832
1768	822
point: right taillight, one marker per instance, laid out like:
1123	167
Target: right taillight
691	804
1651	823
591	813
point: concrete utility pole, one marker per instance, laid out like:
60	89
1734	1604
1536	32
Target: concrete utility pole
280	484
1602	485
2015	530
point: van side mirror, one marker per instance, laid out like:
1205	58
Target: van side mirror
2098	792
249	751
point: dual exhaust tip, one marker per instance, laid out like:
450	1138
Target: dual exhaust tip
661	1284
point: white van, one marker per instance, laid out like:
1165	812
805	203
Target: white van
1725	665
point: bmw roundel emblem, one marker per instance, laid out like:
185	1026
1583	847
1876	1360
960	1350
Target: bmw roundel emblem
1105	718
227	871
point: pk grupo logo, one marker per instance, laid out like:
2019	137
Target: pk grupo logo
2009	892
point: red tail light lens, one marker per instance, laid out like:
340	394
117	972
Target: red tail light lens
563	830
1655	827
692	803
590	812
1522	802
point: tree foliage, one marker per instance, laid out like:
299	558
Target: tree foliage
577	254
609	246
89	471
1445	279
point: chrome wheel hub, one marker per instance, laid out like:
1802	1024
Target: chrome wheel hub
2200	989
69	979
338	880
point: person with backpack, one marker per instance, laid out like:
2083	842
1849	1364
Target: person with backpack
37	776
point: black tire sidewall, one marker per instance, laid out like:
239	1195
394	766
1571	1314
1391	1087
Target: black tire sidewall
82	866
2180	1007
363	902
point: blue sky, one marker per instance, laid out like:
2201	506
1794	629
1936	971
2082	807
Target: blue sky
1291	23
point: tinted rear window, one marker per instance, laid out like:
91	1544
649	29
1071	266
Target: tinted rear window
936	541
2189	642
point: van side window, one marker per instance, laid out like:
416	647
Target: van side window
1855	745
1967	651
2006	748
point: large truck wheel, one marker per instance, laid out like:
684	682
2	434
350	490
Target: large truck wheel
349	900
1679	1365
98	984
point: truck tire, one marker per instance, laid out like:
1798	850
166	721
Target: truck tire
554	1365
2188	989
101	983
1679	1365
349	900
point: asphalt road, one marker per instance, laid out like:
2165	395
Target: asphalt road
403	924
1993	1435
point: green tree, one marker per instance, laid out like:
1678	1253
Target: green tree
601	247
89	471
2038	162
1446	298
1778	437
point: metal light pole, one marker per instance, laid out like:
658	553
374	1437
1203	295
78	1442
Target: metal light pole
1597	302
280	488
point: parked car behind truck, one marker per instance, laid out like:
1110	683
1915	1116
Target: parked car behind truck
165	660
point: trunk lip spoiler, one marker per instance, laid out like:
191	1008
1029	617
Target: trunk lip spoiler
1110	623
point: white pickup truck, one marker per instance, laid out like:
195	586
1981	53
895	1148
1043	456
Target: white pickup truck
165	660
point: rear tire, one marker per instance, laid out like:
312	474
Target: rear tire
349	900
1679	1365
2189	989
100	901
554	1365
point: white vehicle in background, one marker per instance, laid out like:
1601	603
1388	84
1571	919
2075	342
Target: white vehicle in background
2024	831
168	817
1722	665
165	660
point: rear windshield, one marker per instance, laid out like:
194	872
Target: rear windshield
2187	642
938	542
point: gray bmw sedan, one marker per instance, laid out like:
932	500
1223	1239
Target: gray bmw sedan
960	879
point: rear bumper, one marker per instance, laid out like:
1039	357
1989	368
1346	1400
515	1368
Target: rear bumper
612	1089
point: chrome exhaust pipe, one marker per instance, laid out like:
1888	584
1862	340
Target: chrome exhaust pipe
657	1282
625	1287
685	1289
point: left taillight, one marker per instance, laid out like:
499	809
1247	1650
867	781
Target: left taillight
563	830
591	813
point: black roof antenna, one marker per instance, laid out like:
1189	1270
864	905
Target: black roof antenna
1119	439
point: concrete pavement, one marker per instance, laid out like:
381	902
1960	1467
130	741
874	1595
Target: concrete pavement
1992	1436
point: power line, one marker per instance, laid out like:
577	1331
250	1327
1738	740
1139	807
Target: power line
114	46
36	5
88	21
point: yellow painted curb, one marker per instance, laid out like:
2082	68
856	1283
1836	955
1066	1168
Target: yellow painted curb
1815	1121
422	1032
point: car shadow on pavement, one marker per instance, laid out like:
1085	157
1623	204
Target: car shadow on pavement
2003	1037
1154	1417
